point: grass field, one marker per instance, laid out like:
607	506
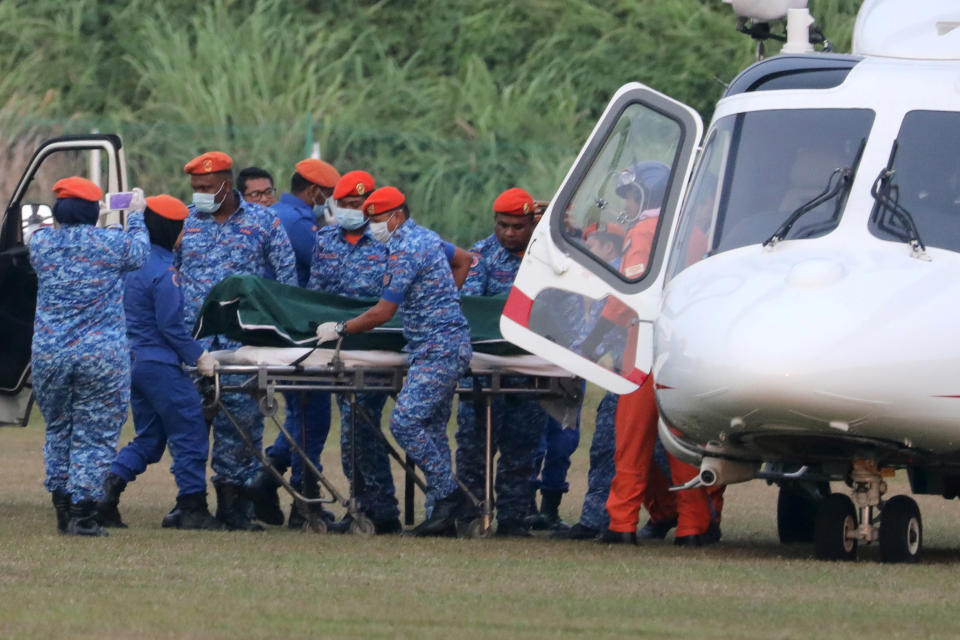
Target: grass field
147	582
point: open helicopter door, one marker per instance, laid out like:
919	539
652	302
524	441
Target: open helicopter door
99	157
589	287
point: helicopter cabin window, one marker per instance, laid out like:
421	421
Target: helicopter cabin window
925	182
768	172
613	218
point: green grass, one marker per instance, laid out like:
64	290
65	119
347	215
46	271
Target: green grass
146	582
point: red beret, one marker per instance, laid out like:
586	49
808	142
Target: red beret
167	207
209	162
77	187
354	183
513	202
604	228
382	200
318	172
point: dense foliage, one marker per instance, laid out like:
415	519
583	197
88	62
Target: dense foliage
452	101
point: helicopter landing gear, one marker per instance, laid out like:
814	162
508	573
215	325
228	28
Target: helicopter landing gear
843	523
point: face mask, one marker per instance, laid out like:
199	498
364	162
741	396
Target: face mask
349	219
380	231
207	202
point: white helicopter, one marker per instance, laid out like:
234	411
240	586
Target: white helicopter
798	310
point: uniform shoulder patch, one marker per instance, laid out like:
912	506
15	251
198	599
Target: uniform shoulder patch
174	277
475	255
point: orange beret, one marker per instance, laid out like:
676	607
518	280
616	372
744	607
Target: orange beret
382	200
167	207
318	172
604	228
513	202
354	183
209	162
77	187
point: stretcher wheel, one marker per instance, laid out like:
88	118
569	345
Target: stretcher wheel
315	524
473	529
362	526
268	405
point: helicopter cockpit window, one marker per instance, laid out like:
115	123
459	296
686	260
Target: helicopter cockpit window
614	216
759	168
925	180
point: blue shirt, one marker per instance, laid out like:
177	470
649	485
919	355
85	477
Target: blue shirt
251	241
493	270
301	227
418	279
348	269
80	271
153	303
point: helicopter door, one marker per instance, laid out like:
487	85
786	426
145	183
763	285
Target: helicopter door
588	289
30	207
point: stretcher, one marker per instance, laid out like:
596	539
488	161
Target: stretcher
262	372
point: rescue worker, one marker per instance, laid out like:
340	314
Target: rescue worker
348	261
636	479
165	402
80	361
421	283
223	235
310	186
518	421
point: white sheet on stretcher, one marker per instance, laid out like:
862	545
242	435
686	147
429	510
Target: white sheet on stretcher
480	363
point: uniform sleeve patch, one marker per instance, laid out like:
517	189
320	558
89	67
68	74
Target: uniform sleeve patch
386	280
476	259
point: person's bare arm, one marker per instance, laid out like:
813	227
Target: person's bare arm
460	264
372	318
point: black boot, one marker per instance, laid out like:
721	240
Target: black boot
656	530
576	532
193	513
549	516
172	519
617	537
61	504
83	520
263	492
444	517
513	529
710	536
232	508
108	509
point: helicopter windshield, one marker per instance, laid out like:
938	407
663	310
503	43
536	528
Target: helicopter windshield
757	168
924	180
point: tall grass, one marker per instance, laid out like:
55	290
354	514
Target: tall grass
452	102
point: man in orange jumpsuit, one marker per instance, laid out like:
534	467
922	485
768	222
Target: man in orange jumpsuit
638	479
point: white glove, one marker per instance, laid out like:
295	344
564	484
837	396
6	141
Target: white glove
327	332
138	202
207	365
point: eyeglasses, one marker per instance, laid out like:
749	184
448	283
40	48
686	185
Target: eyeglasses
257	195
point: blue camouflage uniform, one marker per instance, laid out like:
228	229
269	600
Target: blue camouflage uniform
418	279
594	513
80	360
251	241
518	421
356	270
165	402
311	409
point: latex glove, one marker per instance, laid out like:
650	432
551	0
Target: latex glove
207	365
138	202
327	332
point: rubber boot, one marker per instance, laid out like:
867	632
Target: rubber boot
262	490
194	513
232	508
549	516
108	509
83	520
444	517
61	504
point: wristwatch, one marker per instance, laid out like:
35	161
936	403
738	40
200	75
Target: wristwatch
341	328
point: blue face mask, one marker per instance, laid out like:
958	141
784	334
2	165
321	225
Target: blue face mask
207	202
349	219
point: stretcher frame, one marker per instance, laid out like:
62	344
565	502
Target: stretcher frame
263	381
